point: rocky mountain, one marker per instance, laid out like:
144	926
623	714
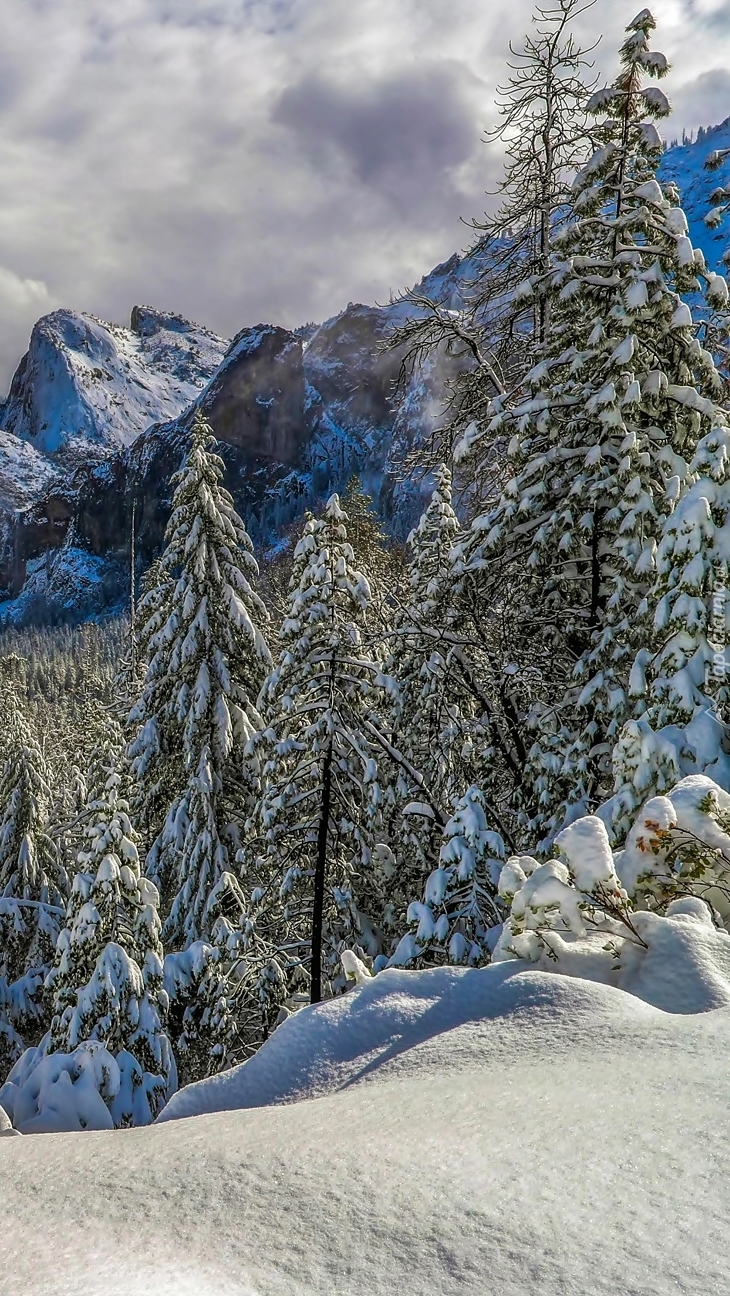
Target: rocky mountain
86	386
97	417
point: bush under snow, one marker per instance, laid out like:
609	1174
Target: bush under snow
644	916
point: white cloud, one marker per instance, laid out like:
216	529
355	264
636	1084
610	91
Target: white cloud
22	302
239	160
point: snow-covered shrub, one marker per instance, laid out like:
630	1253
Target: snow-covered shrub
86	1089
679	844
591	912
460	910
559	901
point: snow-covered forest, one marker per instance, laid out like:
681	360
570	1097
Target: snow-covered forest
334	775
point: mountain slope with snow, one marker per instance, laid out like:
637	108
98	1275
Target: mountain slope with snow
497	1130
685	165
24	473
88	386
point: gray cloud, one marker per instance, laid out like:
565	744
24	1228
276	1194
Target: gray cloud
704	101
402	134
240	160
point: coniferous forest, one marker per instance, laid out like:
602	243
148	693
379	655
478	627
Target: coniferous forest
205	805
274	782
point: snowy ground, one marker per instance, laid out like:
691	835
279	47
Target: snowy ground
500	1131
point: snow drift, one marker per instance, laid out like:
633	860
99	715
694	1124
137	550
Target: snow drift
377	1027
479	1130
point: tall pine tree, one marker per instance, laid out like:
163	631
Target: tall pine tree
602	434
320	770
198	709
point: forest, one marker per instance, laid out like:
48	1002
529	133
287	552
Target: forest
274	779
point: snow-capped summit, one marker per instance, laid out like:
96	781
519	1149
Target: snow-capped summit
85	383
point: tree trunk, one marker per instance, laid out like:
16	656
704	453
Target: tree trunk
596	568
319	879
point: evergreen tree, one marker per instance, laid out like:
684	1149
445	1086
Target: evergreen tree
680	676
156	748
460	908
33	888
432	724
206	1032
107	980
602	433
76	798
320	771
378	560
197	709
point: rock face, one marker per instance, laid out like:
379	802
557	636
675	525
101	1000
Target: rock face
352	375
85	386
84	390
256	400
256	405
32	532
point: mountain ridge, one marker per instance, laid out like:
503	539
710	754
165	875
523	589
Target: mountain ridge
97	415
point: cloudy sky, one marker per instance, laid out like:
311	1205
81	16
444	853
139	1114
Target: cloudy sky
246	160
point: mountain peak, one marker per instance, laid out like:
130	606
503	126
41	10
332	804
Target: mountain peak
85	382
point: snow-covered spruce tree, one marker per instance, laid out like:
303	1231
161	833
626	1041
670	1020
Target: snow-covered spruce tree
206	1028
680	676
372	555
106	984
33	890
319	765
432	725
460	905
75	803
544	131
198	705
156	746
602	433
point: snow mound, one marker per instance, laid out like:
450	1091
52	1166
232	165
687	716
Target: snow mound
386	1025
5	1126
492	1130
